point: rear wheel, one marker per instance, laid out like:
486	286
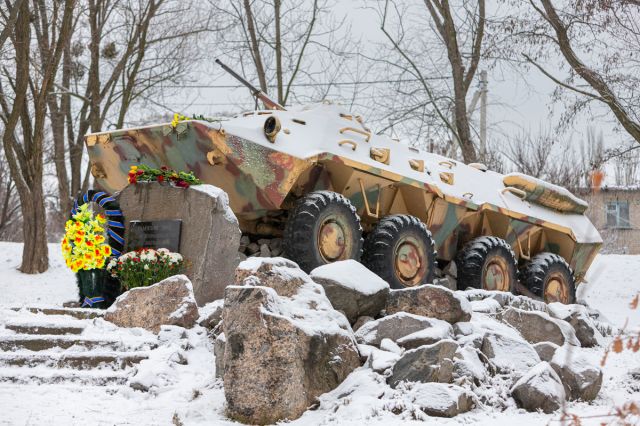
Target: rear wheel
401	251
323	227
549	277
487	263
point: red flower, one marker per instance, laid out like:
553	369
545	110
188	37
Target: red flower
182	184
140	172
164	168
160	178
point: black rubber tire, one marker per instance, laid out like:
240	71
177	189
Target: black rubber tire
536	273
301	234
381	244
474	257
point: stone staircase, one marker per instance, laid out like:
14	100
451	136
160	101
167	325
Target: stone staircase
68	346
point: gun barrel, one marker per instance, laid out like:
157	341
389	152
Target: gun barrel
269	103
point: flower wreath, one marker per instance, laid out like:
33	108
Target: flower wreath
115	218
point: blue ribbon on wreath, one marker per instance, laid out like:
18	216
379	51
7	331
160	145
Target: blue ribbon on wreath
89	301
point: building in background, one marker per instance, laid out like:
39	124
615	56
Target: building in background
615	212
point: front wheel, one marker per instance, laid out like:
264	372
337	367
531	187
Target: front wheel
549	277
401	251
323	227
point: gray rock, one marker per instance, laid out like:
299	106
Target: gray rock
430	301
509	354
581	379
211	314
218	352
352	288
467	365
253	248
446	282
281	352
539	389
432	363
578	317
538	327
169	302
436	331
209	237
244	242
279	273
360	322
463	328
380	360
391	327
441	400
451	269
264	251
546	350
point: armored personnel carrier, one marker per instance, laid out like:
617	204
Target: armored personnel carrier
319	178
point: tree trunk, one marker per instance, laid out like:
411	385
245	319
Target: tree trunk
35	253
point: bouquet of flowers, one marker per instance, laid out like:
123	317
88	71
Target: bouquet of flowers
84	244
146	266
144	173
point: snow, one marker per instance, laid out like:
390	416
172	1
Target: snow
352	275
190	393
52	288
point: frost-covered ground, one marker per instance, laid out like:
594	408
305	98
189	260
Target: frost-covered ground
191	394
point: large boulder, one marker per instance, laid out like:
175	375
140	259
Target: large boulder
539	389
281	352
581	378
439	399
209	237
352	288
431	363
169	302
578	317
392	327
430	301
508	353
537	327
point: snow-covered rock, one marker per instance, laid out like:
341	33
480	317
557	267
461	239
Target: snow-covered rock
381	360
211	314
430	301
430	363
218	351
538	327
509	354
578	317
169	302
436	330
581	378
439	399
539	389
360	322
352	288
392	327
282	350
546	350
467	365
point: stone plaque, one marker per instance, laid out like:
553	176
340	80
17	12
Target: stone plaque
154	234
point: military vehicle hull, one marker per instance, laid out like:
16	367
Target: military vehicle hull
325	148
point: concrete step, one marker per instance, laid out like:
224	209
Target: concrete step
45	342
25	375
80	361
79	313
50	329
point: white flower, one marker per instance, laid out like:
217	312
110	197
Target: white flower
146	267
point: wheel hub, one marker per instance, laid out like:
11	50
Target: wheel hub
495	275
408	262
556	289
331	240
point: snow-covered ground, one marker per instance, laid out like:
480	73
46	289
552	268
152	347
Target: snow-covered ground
190	393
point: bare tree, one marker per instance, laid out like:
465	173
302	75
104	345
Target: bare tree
283	42
543	156
10	218
23	102
451	47
132	48
595	42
